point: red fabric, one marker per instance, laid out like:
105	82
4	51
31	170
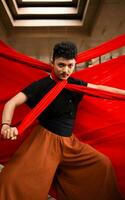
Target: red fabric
100	118
101	49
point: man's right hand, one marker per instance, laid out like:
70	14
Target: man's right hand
9	132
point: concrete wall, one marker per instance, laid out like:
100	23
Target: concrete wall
3	33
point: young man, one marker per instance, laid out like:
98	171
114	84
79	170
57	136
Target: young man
51	153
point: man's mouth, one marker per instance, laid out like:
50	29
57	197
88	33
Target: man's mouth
64	75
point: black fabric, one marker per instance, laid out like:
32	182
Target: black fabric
59	116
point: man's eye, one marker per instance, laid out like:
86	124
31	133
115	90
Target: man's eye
61	65
70	66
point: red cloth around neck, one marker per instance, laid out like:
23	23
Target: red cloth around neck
54	77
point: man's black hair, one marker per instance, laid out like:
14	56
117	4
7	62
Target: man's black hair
67	50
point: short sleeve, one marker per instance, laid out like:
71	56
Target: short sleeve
36	90
77	81
82	83
32	89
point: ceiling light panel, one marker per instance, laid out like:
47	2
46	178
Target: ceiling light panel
33	3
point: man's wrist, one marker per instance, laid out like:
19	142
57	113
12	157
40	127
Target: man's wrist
7	124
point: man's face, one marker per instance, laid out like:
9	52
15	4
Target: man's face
63	68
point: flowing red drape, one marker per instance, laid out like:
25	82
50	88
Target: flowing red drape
100	118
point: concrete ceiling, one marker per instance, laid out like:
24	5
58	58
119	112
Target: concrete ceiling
23	14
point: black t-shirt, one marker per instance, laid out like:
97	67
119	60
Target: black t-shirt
59	116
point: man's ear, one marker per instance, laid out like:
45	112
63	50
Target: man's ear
52	63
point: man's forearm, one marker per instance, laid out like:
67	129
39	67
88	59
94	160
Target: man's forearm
7	114
112	89
107	88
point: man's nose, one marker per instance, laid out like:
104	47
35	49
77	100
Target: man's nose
65	69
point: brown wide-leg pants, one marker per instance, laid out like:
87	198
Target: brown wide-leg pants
78	171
